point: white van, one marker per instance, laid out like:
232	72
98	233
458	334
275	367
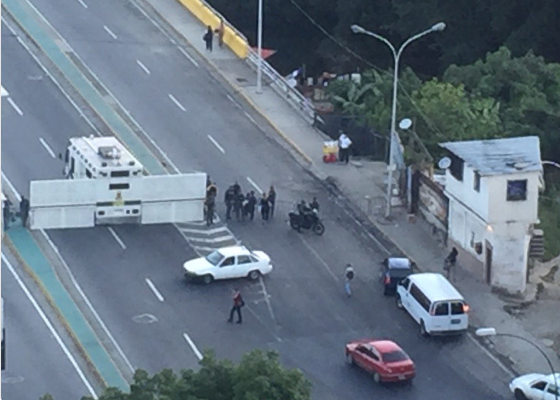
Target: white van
434	303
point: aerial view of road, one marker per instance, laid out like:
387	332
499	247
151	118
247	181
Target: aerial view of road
133	274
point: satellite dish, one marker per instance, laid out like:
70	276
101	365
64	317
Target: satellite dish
405	123
444	163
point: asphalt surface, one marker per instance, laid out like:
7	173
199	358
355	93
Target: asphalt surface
36	363
301	310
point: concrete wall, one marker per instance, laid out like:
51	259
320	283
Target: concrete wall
464	190
433	204
501	210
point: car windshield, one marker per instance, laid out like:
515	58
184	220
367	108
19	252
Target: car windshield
394	356
214	258
398	273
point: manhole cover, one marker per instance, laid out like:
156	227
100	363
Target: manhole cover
12	379
548	342
145	319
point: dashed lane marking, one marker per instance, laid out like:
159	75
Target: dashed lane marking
215	142
197	353
252	182
176	102
47	147
83	3
117	238
154	290
143	67
14	106
110	32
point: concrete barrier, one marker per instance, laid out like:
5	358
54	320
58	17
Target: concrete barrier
208	16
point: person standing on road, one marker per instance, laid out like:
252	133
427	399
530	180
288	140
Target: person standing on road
265	207
344	144
24	210
210	206
208	38
6	213
250	205
228	199
348	276
272	200
450	262
237	304
238	205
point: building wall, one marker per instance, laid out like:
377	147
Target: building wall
523	211
464	190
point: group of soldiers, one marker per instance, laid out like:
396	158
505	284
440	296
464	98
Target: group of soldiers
242	205
8	215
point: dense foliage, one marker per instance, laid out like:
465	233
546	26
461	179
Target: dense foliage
474	28
258	376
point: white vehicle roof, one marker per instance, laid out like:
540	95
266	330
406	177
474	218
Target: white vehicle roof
104	152
399	263
234	251
435	286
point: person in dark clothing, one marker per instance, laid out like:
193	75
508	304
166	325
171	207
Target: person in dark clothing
314	204
238	205
237	304
210	206
236	188
265	207
24	210
272	200
6	214
209	38
228	199
251	203
211	189
450	262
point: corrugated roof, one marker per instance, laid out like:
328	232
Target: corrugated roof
499	156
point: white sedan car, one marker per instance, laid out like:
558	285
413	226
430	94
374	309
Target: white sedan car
536	387
227	263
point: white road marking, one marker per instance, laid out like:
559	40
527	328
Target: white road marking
207	231
54	333
216	144
250	118
267	299
311	249
53	79
189	57
144	68
4	92
252	182
110	32
174	100
156	292
14	105
117	238
82	3
75	283
263	324
231	98
47	147
193	346
211	240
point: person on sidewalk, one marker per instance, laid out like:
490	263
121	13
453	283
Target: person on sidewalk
237	304
24	210
272	200
208	38
220	30
265	207
344	144
450	262
348	276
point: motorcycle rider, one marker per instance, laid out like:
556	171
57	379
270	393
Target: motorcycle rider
314	204
304	211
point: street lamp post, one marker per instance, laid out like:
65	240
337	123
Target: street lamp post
554	164
482	332
396	56
259	46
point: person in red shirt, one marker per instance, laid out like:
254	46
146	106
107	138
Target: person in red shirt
237	304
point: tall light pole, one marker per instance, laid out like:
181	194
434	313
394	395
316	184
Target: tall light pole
396	55
259	46
482	332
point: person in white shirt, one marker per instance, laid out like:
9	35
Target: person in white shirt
344	144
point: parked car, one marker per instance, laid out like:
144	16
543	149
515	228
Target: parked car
536	387
393	271
227	263
384	359
434	303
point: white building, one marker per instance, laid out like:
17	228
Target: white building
493	190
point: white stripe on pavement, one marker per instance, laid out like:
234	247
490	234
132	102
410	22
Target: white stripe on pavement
193	346
47	147
156	292
252	182
117	238
14	105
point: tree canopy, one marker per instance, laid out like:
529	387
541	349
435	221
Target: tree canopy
258	376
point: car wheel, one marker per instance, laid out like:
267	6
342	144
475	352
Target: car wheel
254	275
399	302
423	330
349	359
519	395
376	377
207	279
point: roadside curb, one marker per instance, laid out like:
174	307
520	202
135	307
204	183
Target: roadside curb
233	86
60	316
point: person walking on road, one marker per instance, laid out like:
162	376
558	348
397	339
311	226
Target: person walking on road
348	276
228	199
344	144
272	200
208	38
24	210
265	207
237	304
450	262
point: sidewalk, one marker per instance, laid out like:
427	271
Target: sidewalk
364	178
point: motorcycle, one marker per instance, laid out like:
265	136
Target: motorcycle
310	222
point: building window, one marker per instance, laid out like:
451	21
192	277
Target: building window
456	168
476	181
517	190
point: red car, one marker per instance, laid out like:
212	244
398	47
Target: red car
384	359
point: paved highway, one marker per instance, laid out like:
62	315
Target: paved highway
300	310
38	362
